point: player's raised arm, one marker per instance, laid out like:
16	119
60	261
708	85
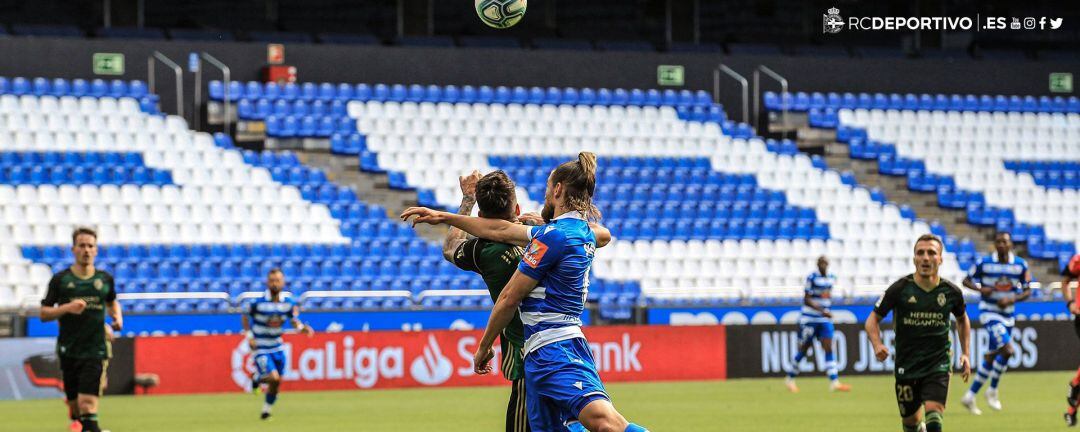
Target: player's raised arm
455	237
519	286
496	230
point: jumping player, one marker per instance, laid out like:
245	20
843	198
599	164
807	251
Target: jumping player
816	323
921	303
550	286
263	325
1002	279
496	263
1070	273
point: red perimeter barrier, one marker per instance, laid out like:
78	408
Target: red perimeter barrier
350	360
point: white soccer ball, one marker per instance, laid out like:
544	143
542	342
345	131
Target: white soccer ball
501	13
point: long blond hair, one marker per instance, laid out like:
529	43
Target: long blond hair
579	183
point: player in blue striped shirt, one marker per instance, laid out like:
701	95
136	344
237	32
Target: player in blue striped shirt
264	324
1002	279
816	323
563	388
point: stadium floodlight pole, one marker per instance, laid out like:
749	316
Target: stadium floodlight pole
742	81
783	92
225	75
179	72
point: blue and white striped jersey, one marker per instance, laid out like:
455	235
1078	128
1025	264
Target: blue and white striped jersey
987	272
819	288
558	258
268	320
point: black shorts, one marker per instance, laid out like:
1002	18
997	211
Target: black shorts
83	376
517	419
912	393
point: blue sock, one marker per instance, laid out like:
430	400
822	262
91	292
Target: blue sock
271	398
795	365
830	366
635	428
999	368
981	376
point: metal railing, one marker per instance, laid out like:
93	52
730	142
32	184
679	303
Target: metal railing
177	71
227	98
741	80
757	95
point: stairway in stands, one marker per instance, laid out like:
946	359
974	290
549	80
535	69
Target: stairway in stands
838	157
374	187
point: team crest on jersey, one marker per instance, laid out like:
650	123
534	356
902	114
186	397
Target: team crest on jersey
534	253
98	285
941	299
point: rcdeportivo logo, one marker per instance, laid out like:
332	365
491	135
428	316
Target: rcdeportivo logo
97	284
832	23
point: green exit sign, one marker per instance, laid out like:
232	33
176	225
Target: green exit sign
1061	82
670	75
108	64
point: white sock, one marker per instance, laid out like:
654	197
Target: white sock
266	407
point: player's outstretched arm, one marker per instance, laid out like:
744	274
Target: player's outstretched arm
519	286
496	230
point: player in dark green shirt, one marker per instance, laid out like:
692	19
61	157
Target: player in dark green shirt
921	304
79	297
496	263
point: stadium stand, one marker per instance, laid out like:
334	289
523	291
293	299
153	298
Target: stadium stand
185	212
727	195
1000	158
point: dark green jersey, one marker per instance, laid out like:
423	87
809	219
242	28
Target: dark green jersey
922	325
83	335
496	263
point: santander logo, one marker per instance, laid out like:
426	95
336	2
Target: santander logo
431	368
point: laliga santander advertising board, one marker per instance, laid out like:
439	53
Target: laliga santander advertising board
384	359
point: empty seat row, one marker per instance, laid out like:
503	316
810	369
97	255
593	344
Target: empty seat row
451	93
802	101
308	126
77	87
80	174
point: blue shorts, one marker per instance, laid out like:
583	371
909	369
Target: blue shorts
269	362
815	330
1000	334
560	379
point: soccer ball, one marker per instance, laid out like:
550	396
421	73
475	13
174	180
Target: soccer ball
501	13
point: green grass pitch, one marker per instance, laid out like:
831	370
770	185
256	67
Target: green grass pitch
1032	401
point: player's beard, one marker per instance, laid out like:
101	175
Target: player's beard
548	212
